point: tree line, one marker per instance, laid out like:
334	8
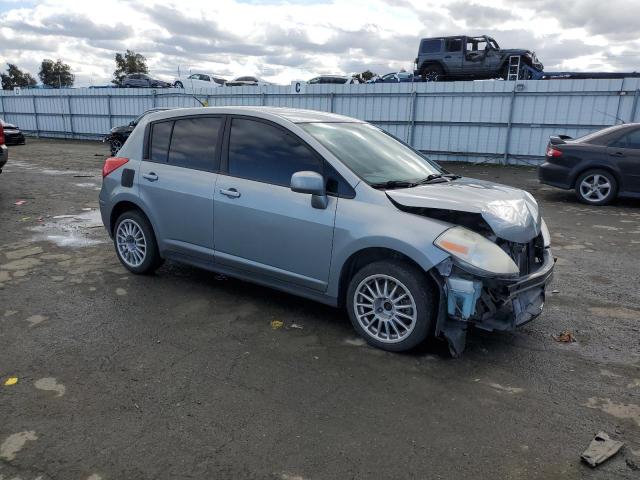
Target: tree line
57	74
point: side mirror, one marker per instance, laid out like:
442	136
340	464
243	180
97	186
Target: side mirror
311	183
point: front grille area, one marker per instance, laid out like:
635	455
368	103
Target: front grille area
528	256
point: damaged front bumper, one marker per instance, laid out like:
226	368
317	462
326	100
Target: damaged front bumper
488	303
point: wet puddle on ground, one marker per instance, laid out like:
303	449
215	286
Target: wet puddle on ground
77	230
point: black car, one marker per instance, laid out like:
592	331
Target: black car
600	166
12	134
119	135
142	80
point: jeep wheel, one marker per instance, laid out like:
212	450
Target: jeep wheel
115	145
432	73
391	304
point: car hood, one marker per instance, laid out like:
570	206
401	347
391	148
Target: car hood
9	126
512	214
122	129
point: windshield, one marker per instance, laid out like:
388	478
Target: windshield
590	137
373	155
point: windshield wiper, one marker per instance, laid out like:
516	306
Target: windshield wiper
437	176
390	184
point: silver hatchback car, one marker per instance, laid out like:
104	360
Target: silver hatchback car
333	209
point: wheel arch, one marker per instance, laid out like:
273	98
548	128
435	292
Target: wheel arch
427	63
368	255
124	206
606	168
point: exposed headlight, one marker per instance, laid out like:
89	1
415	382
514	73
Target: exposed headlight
475	250
546	236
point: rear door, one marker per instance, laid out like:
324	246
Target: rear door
453	55
177	181
261	226
625	153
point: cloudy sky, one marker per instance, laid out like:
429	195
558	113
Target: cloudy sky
282	40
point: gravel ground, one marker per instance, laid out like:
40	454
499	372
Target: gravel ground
181	374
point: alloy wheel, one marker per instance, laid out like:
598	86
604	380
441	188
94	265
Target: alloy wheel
116	145
595	188
385	308
131	243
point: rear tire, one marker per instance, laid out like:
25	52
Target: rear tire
178	84
391	305
135	243
432	73
596	187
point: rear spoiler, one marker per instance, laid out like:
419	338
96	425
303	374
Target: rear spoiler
558	139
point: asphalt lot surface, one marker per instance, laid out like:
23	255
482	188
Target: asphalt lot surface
182	375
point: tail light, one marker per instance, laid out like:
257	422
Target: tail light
111	164
553	152
1	134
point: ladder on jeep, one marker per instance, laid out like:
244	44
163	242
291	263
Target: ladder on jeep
514	67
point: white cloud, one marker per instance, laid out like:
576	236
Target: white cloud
283	40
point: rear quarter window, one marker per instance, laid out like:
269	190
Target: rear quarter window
160	138
431	46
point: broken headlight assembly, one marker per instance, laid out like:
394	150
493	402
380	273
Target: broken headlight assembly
546	236
475	251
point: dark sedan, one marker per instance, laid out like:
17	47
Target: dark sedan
118	135
12	134
142	80
600	166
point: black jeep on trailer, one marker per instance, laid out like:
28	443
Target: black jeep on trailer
472	58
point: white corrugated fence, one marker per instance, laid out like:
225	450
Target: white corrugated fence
469	121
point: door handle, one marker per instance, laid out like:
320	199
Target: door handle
151	176
231	193
617	154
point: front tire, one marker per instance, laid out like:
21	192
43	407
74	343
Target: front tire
178	84
391	305
596	187
135	243
114	146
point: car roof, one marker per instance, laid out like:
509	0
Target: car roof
293	115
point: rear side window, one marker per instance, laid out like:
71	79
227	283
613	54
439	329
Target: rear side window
454	45
431	46
194	142
160	137
264	153
629	140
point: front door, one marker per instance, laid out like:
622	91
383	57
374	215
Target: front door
625	153
261	226
177	183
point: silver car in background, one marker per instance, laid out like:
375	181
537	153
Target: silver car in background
333	209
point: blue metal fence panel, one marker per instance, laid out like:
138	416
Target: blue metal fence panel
473	121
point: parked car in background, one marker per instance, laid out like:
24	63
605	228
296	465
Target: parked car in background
394	77
247	82
118	135
142	80
600	166
463	57
199	80
346	215
332	80
4	151
12	134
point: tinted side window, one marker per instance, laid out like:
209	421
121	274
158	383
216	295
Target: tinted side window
160	136
431	46
628	140
193	143
259	151
454	45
